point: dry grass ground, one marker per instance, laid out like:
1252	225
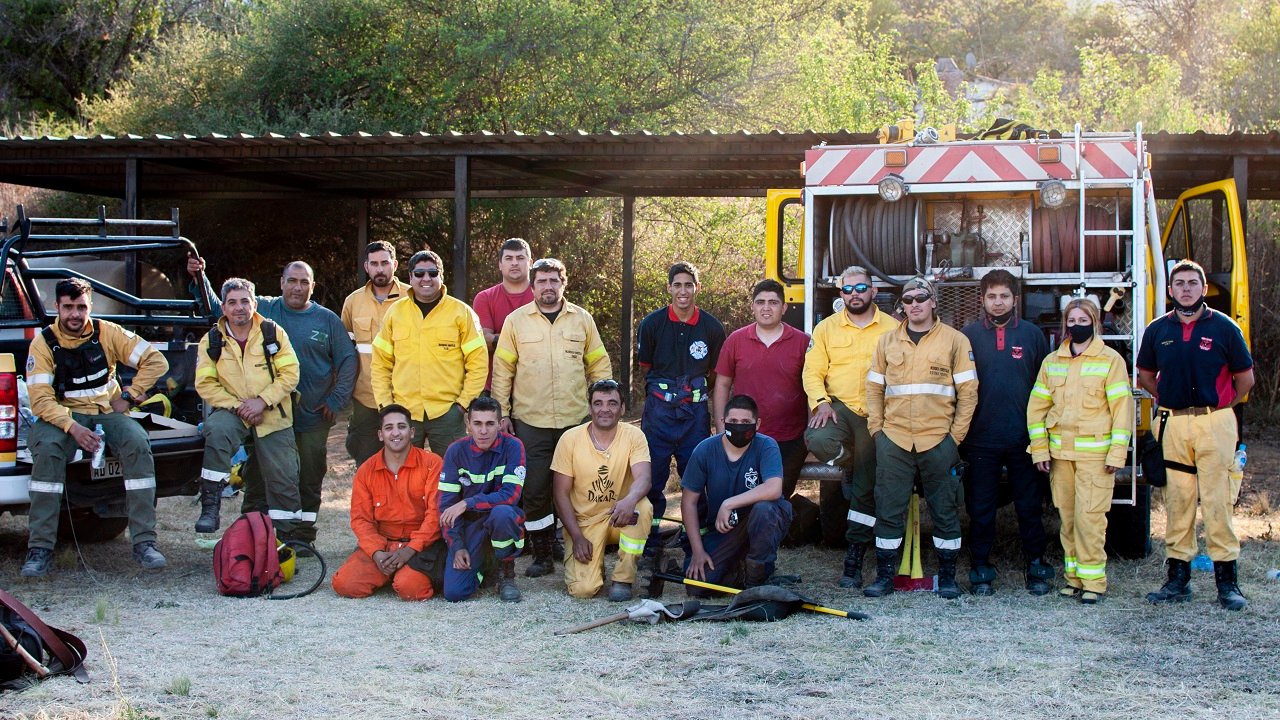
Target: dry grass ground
167	646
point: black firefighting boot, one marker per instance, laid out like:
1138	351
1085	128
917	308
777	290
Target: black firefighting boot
1229	595
947	587
883	584
852	577
1039	576
210	505
542	563
1177	588
507	590
981	578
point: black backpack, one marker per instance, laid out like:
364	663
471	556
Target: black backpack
31	650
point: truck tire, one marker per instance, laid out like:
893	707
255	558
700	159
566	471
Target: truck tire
86	526
833	510
1129	527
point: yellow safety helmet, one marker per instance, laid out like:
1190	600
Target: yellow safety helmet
288	561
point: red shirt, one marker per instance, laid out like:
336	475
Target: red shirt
771	375
492	306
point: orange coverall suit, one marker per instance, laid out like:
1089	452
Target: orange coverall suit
389	511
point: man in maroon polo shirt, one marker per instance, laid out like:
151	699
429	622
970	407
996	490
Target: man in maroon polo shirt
494	304
764	360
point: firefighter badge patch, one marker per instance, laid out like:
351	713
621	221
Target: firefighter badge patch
1206	343
1017	352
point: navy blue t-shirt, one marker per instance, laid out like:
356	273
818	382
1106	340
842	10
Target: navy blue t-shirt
1008	359
716	478
671	349
1194	362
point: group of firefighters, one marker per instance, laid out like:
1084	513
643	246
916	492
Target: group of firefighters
476	427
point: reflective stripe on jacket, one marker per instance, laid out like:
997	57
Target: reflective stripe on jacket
1081	406
918	394
429	363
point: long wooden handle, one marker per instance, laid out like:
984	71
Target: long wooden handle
41	671
734	591
594	623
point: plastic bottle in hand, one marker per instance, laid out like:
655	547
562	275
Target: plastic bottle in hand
1237	464
100	455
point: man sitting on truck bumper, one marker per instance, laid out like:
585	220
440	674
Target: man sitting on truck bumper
71	377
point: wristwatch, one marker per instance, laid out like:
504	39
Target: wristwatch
127	397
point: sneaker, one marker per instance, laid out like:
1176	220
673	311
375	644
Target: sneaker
146	554
38	563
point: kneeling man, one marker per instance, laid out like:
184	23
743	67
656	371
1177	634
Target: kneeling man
395	514
480	493
600	477
731	501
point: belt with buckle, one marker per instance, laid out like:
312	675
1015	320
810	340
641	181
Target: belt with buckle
1192	411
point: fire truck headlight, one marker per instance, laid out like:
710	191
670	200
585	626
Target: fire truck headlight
892	188
1053	193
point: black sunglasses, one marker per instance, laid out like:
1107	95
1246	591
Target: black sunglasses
606	384
433	272
913	299
851	289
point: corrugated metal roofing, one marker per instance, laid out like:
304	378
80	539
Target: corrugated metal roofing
546	164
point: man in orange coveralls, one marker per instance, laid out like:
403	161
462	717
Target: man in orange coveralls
395	514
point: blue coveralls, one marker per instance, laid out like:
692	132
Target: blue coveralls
490	481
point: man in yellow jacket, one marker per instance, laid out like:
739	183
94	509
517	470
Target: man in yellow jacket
922	390
547	354
835	379
71	377
430	356
362	313
246	372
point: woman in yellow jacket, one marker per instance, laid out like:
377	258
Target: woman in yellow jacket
1080	419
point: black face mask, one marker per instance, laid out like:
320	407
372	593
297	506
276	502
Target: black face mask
1001	319
1188	310
1080	333
740	434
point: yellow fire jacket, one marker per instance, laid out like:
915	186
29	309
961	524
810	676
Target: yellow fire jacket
918	394
241	375
838	359
541	371
119	346
428	364
1081	406
362	317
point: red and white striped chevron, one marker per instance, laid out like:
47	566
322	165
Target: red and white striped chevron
975	161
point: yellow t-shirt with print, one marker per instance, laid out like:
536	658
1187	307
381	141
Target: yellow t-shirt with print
600	478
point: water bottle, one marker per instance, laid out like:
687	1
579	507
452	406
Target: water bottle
1237	464
1202	563
100	455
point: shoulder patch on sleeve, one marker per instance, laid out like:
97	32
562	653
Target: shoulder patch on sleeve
971	356
31	363
519	472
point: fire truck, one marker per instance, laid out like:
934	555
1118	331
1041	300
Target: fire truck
1069	215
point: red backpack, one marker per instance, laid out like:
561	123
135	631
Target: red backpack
245	561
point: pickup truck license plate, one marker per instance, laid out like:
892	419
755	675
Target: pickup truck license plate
109	470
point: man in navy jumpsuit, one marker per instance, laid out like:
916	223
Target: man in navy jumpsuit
480	503
677	346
